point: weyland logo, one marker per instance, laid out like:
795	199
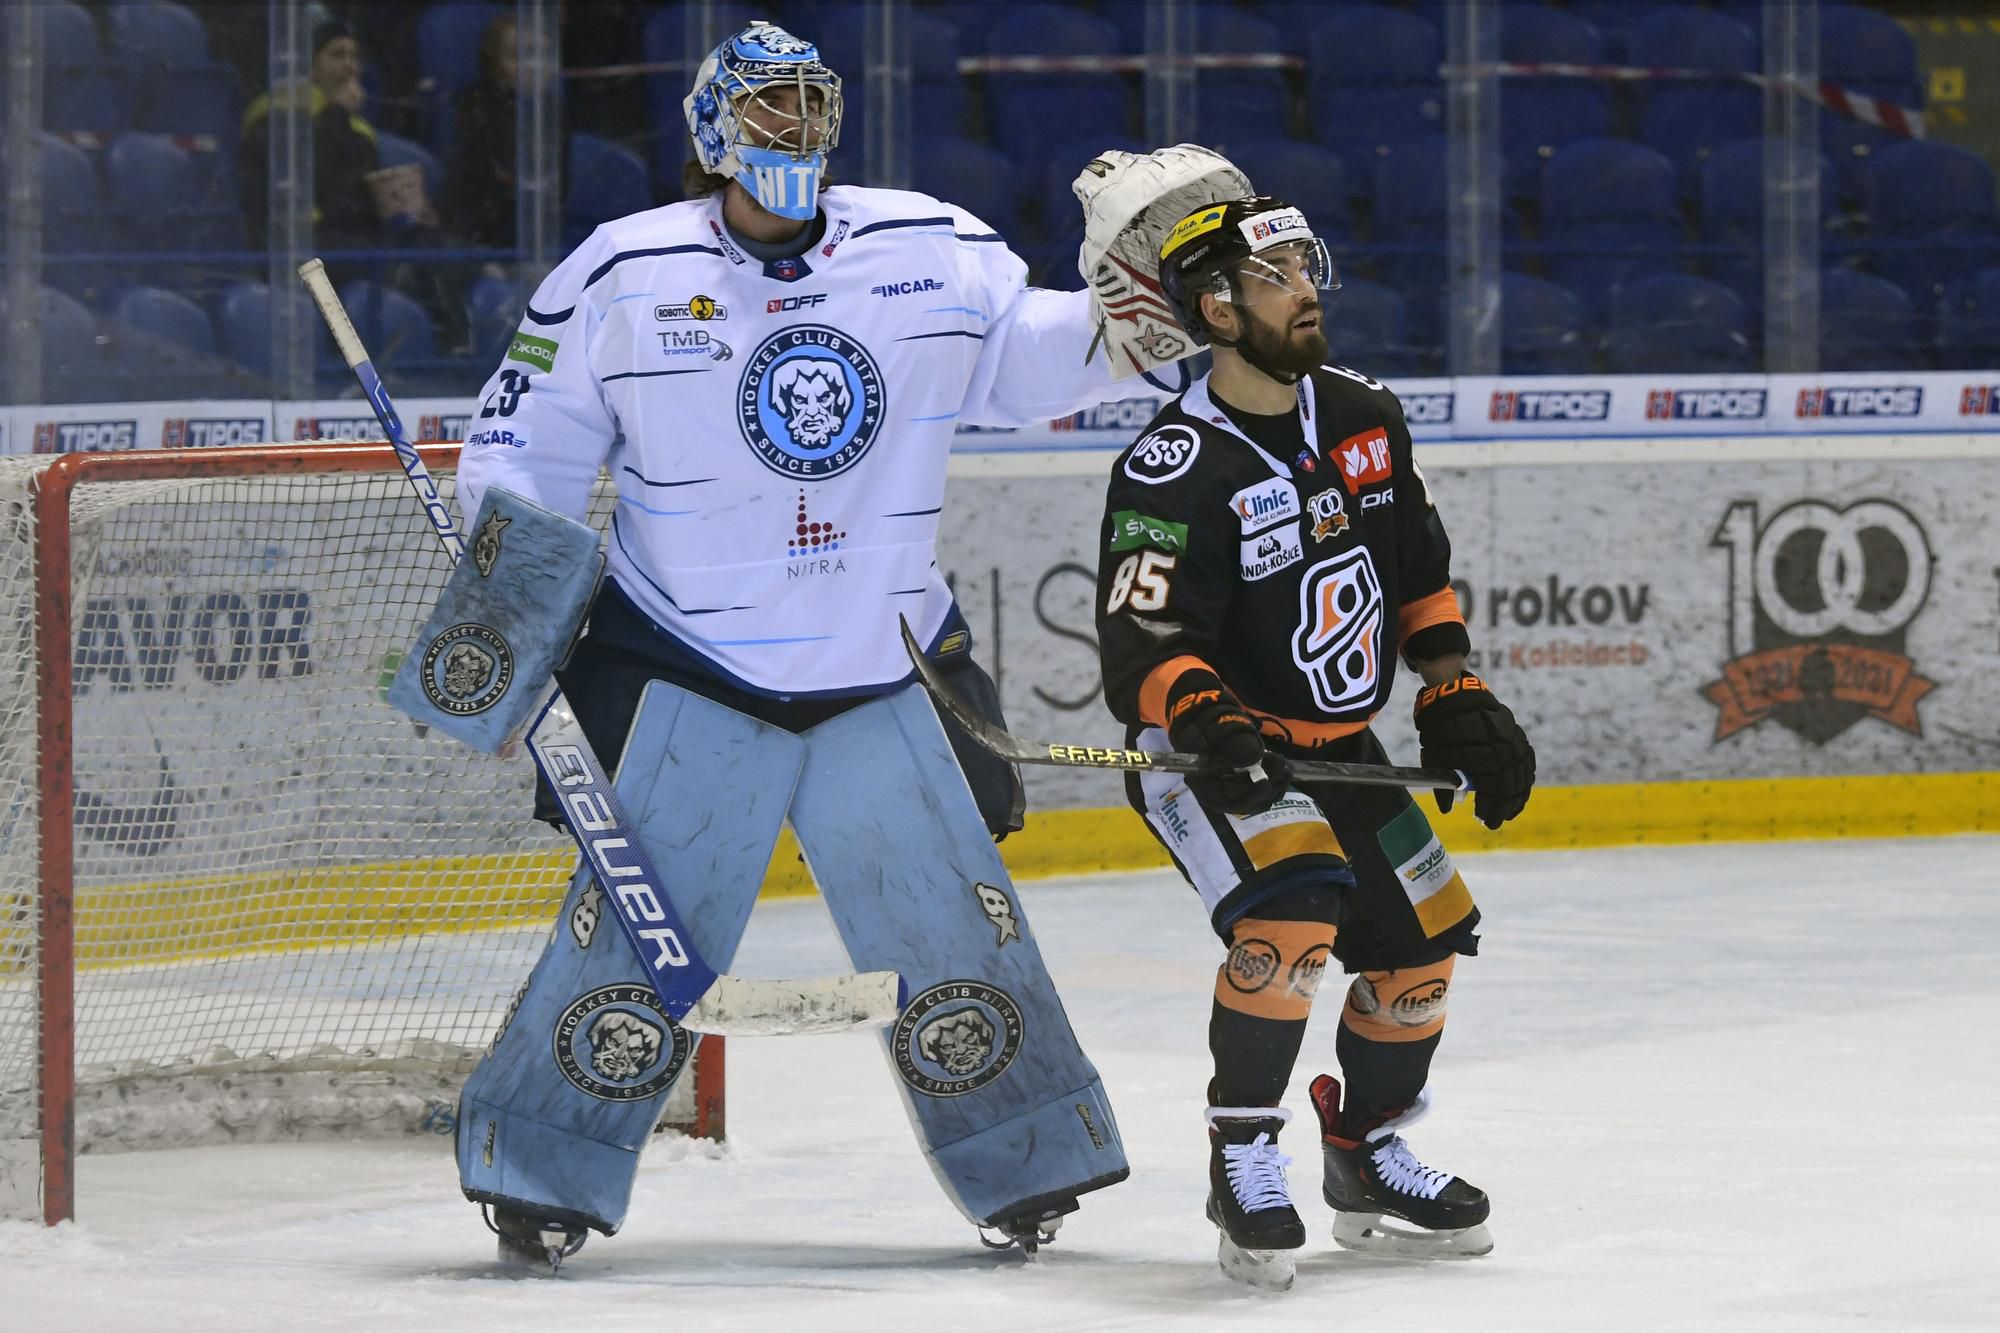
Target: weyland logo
1820	604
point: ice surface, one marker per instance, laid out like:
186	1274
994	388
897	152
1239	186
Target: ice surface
1718	1088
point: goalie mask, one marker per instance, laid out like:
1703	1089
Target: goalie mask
746	128
1245	252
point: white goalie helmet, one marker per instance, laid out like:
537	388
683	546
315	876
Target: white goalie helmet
740	129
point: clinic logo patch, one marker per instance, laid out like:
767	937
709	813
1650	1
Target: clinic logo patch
467	669
618	1045
1820	602
811	401
956	1038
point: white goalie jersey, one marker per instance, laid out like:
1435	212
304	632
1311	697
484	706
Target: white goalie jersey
778	430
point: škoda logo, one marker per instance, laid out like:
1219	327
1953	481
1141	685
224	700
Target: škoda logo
1820	602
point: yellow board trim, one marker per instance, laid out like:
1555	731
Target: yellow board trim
145	924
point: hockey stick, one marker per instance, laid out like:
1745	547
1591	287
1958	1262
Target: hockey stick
1013	748
691	992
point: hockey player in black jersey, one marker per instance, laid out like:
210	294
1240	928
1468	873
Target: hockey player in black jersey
1269	550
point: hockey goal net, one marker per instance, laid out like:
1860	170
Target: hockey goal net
241	897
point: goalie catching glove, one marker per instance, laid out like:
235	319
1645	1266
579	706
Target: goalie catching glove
1130	202
1460	725
1205	719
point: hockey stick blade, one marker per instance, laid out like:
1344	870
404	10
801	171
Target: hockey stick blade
691	993
1011	747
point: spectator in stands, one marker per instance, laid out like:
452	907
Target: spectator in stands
479	166
344	151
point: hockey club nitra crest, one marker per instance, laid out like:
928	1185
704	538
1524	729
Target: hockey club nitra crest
467	669
811	401
486	543
618	1045
1820	604
956	1037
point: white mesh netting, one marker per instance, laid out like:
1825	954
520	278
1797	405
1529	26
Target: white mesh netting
293	911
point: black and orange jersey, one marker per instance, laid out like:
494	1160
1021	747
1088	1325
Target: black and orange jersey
1297	580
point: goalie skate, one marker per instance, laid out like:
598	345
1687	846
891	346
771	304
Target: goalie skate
1385	1200
532	1248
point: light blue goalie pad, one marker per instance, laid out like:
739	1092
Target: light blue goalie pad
1010	1113
503	624
552	1120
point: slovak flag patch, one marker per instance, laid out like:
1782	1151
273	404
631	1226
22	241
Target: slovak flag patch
1363	459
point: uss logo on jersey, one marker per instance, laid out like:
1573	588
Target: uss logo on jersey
811	401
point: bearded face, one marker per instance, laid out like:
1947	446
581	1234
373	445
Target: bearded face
466	671
622	1047
811	394
961	1041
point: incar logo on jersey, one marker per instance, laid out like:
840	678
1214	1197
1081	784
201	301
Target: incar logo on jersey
1551	405
1862	400
888	289
811	401
1704	404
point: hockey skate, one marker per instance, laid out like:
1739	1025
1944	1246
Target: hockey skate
1248	1199
1375	1182
532	1247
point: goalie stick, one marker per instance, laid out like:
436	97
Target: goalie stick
1013	748
693	994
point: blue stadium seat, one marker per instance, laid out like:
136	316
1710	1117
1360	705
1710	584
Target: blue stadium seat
1236	101
448	41
1866	323
180	87
1029	112
493	312
1411	206
80	87
1368	328
1672	323
163	345
1689	121
73	369
163	201
1868	53
1614	21
393	150
1305	174
1544	328
1932	205
1060	211
392	326
1969	323
72	202
663	41
1538	116
937	89
976	178
606	181
1732	214
1374	83
1609	215
243	326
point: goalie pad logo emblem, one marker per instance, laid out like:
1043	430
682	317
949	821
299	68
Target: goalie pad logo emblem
467	669
486	544
956	1037
618	1045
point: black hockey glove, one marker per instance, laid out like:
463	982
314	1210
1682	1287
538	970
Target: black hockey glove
1462	726
1204	718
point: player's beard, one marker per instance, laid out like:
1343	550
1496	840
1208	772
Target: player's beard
1283	350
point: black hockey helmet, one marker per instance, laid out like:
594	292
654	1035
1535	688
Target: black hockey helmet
1219	245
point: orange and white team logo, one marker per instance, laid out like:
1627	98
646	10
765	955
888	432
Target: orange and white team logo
1338	644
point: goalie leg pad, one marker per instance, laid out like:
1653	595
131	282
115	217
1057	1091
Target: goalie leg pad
479	669
552	1120
1009	1112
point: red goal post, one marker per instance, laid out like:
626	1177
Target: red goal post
241	897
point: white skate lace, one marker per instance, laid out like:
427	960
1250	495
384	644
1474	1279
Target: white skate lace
1402	1172
1257	1174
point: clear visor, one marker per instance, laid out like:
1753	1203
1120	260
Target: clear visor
1301	267
798	116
